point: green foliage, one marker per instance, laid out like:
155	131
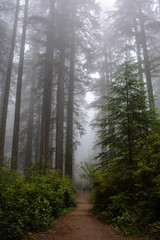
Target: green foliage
127	184
31	203
125	117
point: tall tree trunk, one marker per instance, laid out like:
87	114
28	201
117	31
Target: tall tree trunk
146	59
69	136
60	113
2	95
138	51
7	86
60	92
37	138
14	157
47	92
28	154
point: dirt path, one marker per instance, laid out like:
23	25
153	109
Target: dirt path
80	224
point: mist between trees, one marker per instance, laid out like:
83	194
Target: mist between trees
51	54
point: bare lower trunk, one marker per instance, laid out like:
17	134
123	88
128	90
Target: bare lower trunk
14	157
60	114
28	156
47	93
69	137
146	60
2	97
37	138
7	86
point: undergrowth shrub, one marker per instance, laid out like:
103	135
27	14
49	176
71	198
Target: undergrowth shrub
31	203
115	208
132	206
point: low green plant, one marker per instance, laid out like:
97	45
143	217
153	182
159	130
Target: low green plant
31	203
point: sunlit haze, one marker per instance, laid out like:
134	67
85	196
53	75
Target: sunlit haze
106	3
89	97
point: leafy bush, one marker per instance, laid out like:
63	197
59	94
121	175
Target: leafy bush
132	202
31	203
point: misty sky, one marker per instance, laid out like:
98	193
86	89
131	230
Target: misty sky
106	3
85	150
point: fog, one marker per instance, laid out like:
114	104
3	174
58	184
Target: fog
85	151
79	103
58	57
106	4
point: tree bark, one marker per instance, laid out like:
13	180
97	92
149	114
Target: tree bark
146	59
28	155
47	92
60	92
37	137
14	157
7	86
2	95
60	114
70	107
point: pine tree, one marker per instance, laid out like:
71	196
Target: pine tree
126	118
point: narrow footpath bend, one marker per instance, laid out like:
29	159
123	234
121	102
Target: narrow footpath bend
80	224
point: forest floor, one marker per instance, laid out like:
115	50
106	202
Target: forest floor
81	224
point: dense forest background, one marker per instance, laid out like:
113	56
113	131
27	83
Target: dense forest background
53	53
47	60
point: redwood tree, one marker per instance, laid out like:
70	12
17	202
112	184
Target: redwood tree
146	58
69	136
7	86
60	86
47	91
30	128
14	157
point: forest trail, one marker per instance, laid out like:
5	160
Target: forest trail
80	224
